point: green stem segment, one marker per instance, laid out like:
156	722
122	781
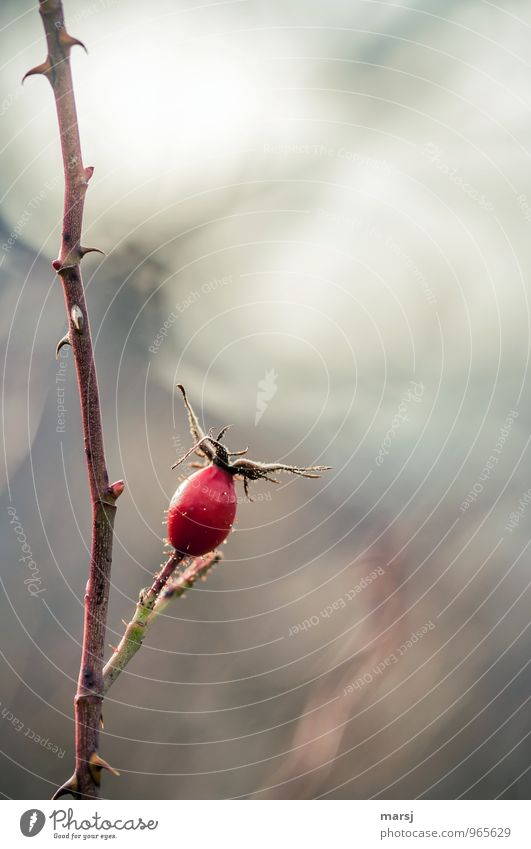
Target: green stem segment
151	603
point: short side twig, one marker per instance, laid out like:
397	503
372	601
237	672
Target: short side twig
151	603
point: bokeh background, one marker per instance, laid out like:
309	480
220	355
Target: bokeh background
316	216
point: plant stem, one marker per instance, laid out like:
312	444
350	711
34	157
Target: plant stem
151	603
89	693
94	680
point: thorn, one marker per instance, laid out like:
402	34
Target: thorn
77	318
114	648
96	764
62	342
57	264
44	69
102	726
89	171
125	623
68	788
66	40
83	251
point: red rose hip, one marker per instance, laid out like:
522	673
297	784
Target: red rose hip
202	511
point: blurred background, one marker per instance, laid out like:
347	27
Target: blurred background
317	217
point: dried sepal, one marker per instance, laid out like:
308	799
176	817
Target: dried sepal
216	452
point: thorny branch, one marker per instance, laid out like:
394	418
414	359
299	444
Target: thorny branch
56	68
94	680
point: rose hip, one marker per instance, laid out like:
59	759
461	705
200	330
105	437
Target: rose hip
203	508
